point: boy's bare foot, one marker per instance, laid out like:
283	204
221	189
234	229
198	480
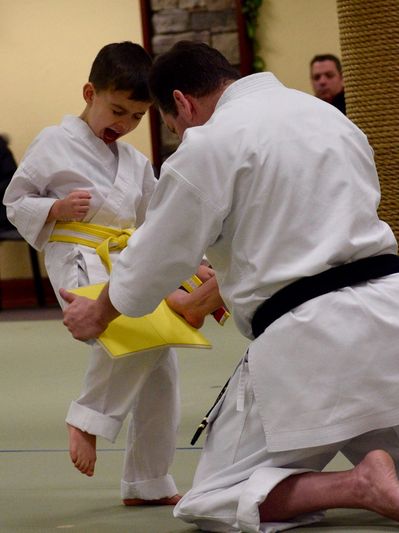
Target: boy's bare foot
180	302
162	501
378	484
82	450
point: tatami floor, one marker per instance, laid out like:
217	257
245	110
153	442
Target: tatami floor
41	371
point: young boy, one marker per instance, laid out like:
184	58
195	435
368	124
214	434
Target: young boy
79	171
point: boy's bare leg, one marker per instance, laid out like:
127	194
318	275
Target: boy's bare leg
82	450
371	485
162	501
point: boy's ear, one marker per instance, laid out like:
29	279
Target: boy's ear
88	92
184	104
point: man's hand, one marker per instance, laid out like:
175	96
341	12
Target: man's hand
73	207
87	319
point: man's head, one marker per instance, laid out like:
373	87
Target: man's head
326	76
117	93
187	81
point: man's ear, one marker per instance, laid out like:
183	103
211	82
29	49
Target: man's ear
184	105
88	92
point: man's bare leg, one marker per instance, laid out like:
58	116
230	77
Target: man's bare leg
371	485
133	502
82	450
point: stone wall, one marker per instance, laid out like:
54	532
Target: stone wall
211	21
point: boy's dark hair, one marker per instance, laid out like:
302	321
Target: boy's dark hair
327	57
191	67
122	67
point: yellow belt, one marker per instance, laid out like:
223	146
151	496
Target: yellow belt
104	239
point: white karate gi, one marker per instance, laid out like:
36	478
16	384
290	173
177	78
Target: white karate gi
277	185
67	157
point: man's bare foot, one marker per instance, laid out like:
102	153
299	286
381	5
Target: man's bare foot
82	450
377	484
162	501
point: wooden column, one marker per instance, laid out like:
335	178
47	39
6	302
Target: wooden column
369	35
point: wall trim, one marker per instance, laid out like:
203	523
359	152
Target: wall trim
20	294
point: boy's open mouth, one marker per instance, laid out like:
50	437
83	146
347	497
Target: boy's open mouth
109	135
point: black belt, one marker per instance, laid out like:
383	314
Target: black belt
204	421
305	289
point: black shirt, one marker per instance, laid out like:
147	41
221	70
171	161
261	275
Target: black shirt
339	102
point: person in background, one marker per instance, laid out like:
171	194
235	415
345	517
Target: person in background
327	80
8	166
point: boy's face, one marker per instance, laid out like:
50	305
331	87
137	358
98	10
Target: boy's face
110	114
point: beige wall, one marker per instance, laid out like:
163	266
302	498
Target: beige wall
47	46
46	50
291	32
